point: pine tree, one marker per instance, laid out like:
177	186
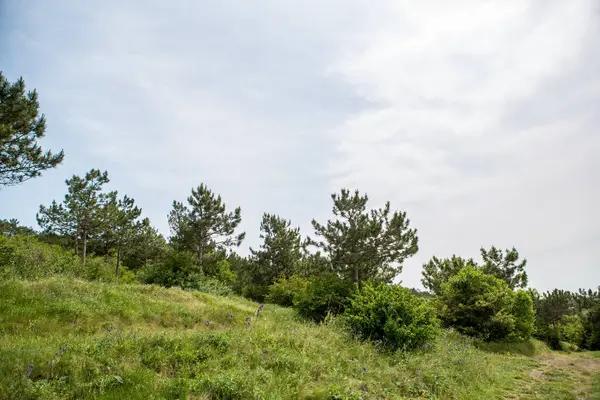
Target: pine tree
503	265
437	271
21	157
83	211
365	244
280	252
204	225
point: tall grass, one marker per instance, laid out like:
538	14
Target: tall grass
68	338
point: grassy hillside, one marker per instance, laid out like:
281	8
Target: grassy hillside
98	340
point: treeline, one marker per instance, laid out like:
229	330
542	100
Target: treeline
346	267
360	250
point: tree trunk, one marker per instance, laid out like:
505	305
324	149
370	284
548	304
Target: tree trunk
84	242
200	257
356	276
118	259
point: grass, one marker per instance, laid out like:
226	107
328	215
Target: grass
101	340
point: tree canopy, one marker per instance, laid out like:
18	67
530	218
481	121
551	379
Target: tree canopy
21	125
365	244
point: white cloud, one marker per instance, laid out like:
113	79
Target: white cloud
478	118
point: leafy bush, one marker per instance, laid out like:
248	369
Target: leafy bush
325	294
211	285
255	292
483	306
391	314
571	329
26	257
524	314
178	268
591	337
282	292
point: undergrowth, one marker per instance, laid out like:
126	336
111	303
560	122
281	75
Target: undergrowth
66	338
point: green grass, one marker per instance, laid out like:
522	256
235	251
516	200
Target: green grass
101	340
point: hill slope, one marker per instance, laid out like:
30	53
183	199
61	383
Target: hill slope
65	338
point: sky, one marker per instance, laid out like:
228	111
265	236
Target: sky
478	118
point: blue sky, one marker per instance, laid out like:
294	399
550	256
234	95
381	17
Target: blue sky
479	118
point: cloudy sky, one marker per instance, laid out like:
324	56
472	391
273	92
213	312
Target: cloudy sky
479	118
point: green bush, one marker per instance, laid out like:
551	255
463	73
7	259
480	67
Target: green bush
282	292
26	257
591	339
255	292
392	315
325	294
571	329
211	285
483	306
178	268
524	314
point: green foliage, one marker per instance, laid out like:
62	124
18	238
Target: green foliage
571	329
365	244
280	252
21	125
255	292
27	258
592	329
392	315
177	268
504	265
324	295
483	306
437	271
282	292
13	227
522	310
207	284
148	342
84	210
204	225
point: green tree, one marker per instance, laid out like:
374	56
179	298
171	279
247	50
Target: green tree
204	225
437	271
83	211
121	226
146	246
280	252
365	244
13	227
21	157
481	305
505	265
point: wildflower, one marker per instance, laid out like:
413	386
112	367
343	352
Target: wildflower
29	370
459	361
364	387
418	371
364	369
207	322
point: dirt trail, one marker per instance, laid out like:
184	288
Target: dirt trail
562	376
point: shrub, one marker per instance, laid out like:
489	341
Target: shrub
524	314
178	268
325	294
255	292
591	339
211	285
483	306
26	257
282	292
571	329
391	314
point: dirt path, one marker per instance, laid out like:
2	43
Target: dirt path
563	376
